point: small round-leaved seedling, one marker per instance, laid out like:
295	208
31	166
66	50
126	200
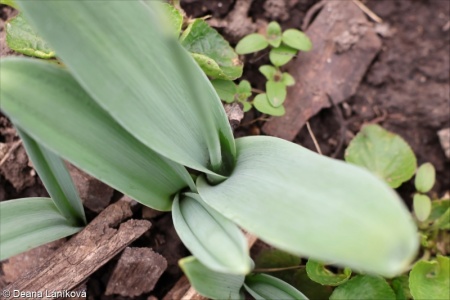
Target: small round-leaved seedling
425	178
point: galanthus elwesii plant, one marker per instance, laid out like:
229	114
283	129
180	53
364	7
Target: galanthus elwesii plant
131	107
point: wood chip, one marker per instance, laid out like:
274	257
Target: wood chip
344	45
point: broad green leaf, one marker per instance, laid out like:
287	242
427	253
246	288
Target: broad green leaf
174	18
244	90
430	279
21	37
383	153
226	89
56	179
56	112
251	43
282	55
145	80
11	3
357	221
266	287
276	93
212	284
364	287
297	40
214	240
400	285
262	104
422	206
269	72
200	38
287	79
320	274
30	222
425	178
274	34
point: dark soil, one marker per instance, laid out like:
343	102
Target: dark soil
406	90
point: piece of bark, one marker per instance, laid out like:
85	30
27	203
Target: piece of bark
178	290
344	45
235	114
137	272
94	194
444	138
85	253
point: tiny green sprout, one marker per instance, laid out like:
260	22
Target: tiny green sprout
422	207
425	178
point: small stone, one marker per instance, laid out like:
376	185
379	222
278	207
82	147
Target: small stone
444	137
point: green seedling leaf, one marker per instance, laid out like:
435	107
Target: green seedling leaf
261	103
64	119
11	3
357	220
263	286
269	72
364	287
148	83
438	208
201	39
430	279
274	34
56	179
22	38
287	79
425	178
251	43
244	90
28	223
383	153
247	106
422	207
443	222
320	274
216	242
226	89
212	284
400	285
174	18
281	55
296	39
276	93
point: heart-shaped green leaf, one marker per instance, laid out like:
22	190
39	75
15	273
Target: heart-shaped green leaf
274	34
422	206
384	153
226	89
320	274
425	178
262	104
282	55
364	287
265	287
252	43
276	93
201	39
21	37
297	40
430	279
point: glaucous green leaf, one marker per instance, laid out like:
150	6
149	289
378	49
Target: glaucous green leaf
400	285
282	55
56	112
296	39
266	287
11	3
357	220
268	71
430	279
22	38
276	93
174	18
364	287
226	89
261	103
209	283
145	79
422	206
56	178
287	79
425	178
274	34
251	43
200	38
320	274
383	153
214	240
30	222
